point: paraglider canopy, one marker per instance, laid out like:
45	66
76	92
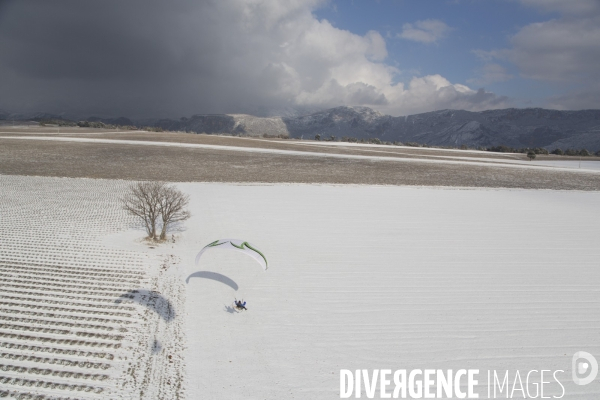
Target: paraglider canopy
238	245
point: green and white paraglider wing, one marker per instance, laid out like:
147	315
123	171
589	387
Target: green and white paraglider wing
238	245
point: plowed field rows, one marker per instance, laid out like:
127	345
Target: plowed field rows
72	317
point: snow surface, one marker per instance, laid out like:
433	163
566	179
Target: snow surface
360	277
575	164
354	144
365	277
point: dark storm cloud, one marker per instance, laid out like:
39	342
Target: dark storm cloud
109	54
149	58
104	40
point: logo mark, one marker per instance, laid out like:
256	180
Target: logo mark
580	368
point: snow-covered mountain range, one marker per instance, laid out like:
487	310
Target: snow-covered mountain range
513	127
530	127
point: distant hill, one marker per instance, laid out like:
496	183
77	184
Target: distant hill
228	123
530	127
513	127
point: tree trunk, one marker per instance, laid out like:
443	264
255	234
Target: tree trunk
163	231
153	234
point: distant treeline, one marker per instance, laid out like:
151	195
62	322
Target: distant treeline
96	124
497	149
539	150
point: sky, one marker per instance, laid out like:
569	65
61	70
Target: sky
157	59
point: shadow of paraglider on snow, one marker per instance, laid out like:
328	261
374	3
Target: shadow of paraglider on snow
230	309
215	277
152	300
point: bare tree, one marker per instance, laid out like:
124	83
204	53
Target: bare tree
150	201
172	207
143	201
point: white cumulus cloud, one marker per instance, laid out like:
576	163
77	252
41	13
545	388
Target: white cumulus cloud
426	31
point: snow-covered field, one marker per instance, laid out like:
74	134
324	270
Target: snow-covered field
389	277
360	277
77	317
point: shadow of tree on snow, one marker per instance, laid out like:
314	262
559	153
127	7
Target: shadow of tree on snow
153	301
